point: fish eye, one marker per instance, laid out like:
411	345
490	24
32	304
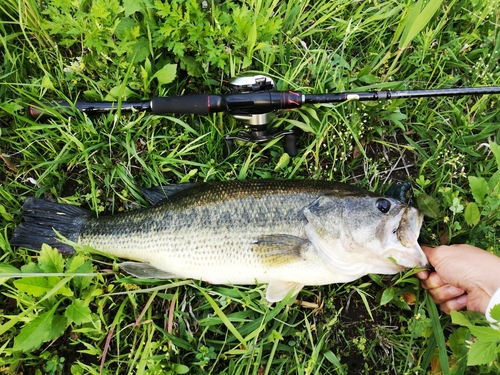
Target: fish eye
383	205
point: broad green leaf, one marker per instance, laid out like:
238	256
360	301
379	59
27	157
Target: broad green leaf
11	107
47	82
479	189
34	333
495	312
456	207
275	335
472	214
312	111
166	74
486	333
283	162
132	6
428	205
368	78
39	285
458	318
114	93
35	286
50	260
79	264
74	264
58	326
387	296
31	268
7	268
457	339
181	343
396	116
493	182
481	352
180	369
140	51
122	29
78	312
495	148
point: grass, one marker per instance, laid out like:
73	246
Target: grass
61	323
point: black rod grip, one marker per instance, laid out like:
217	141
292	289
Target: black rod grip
200	104
46	110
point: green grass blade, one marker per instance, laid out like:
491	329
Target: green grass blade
438	335
223	317
418	19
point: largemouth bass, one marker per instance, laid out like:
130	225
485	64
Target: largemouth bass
286	233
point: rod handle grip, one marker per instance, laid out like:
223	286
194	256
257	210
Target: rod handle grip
47	110
200	104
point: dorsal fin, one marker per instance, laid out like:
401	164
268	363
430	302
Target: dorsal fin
155	194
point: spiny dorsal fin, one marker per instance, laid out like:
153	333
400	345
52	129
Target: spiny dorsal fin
155	194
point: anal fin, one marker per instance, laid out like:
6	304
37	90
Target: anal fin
145	271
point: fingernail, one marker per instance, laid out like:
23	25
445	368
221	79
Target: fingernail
453	290
462	300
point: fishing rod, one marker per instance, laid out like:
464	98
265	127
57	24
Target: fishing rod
252	99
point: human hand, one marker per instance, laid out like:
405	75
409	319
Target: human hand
464	276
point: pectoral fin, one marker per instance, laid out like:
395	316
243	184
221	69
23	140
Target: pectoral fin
277	290
145	271
279	249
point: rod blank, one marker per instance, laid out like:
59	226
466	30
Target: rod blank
242	103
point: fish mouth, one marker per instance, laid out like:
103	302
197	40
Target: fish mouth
409	227
408	252
410	257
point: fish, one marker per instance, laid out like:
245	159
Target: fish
284	233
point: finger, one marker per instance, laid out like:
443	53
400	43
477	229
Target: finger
433	281
432	253
422	275
445	293
454	304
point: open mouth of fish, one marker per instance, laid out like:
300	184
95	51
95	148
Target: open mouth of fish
408	252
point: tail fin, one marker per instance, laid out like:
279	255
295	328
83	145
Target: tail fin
42	219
